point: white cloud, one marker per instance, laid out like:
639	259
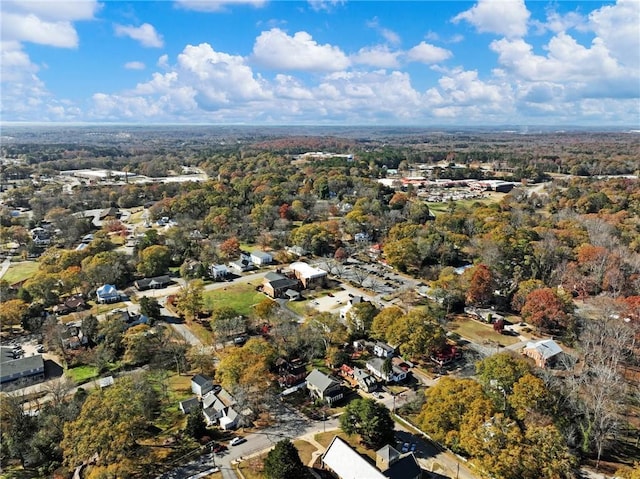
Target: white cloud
556	22
389	35
145	34
566	60
277	50
134	65
216	5
325	5
503	17
378	56
58	10
30	28
427	53
619	29
163	61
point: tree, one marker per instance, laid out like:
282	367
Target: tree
111	423
499	373
196	426
384	321
546	309
230	248
248	367
226	322
154	260
446	404
17	427
283	462
524	288
417	333
529	395
190	300
265	309
371	420
360	317
12	312
481	286
402	254
150	308
90	327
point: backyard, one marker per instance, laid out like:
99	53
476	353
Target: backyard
239	297
20	271
478	332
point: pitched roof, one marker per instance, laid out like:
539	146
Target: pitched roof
405	467
388	453
201	380
546	347
346	463
320	380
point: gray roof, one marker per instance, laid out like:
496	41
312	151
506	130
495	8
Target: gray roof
284	283
20	368
201	380
388	453
261	255
189	404
271	276
320	381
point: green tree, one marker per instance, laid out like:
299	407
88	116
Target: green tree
402	254
371	420
499	373
154	260
360	317
384	321
283	462
150	308
106	267
190	299
196	426
417	333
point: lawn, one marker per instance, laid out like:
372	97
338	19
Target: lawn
21	271
305	450
240	297
325	439
478	332
438	208
81	374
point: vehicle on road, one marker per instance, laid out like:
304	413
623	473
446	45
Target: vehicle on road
237	440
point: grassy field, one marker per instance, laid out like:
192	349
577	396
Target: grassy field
479	332
439	208
81	374
241	298
305	450
21	271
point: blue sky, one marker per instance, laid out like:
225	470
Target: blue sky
418	63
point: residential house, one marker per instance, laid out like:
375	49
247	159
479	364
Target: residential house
324	387
106	381
309	276
218	272
383	350
156	282
242	265
347	307
218	408
260	258
297	250
377	368
189	405
345	463
542	352
276	285
19	371
107	294
365	380
290	372
201	384
71	304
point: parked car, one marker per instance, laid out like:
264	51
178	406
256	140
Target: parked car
405	447
237	440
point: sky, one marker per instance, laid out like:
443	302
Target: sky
321	62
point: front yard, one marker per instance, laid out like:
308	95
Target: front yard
240	297
478	332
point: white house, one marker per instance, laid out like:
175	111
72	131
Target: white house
218	271
107	294
395	374
383	350
201	385
260	257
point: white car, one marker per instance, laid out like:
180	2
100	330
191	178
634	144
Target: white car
236	440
